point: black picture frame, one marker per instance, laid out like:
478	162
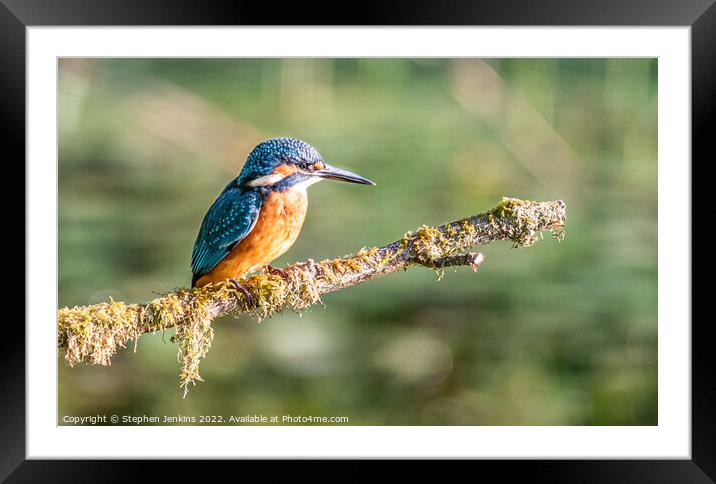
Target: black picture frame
700	15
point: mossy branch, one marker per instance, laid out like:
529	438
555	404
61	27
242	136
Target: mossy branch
94	333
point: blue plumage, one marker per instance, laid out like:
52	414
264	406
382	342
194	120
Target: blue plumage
274	166
230	219
232	216
268	155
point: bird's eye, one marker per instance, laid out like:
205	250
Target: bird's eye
304	165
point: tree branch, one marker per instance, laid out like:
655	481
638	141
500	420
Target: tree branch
94	333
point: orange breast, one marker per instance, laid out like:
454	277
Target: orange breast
280	221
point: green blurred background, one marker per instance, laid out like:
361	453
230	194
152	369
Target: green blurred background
557	334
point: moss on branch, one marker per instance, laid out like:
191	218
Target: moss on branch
93	334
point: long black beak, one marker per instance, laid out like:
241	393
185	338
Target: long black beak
333	173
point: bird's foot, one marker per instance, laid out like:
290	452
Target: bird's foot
247	295
276	272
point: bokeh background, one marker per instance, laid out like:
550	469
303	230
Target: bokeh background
557	334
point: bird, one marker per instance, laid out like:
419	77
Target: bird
259	214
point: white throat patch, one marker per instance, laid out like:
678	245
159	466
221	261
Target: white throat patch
301	186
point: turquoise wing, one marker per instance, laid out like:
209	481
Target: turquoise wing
229	219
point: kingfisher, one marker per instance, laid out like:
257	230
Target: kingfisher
259	214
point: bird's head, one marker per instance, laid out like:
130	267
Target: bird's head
284	163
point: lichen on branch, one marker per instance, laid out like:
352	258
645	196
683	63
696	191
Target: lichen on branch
93	334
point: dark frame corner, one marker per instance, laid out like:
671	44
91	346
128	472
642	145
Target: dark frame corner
16	15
